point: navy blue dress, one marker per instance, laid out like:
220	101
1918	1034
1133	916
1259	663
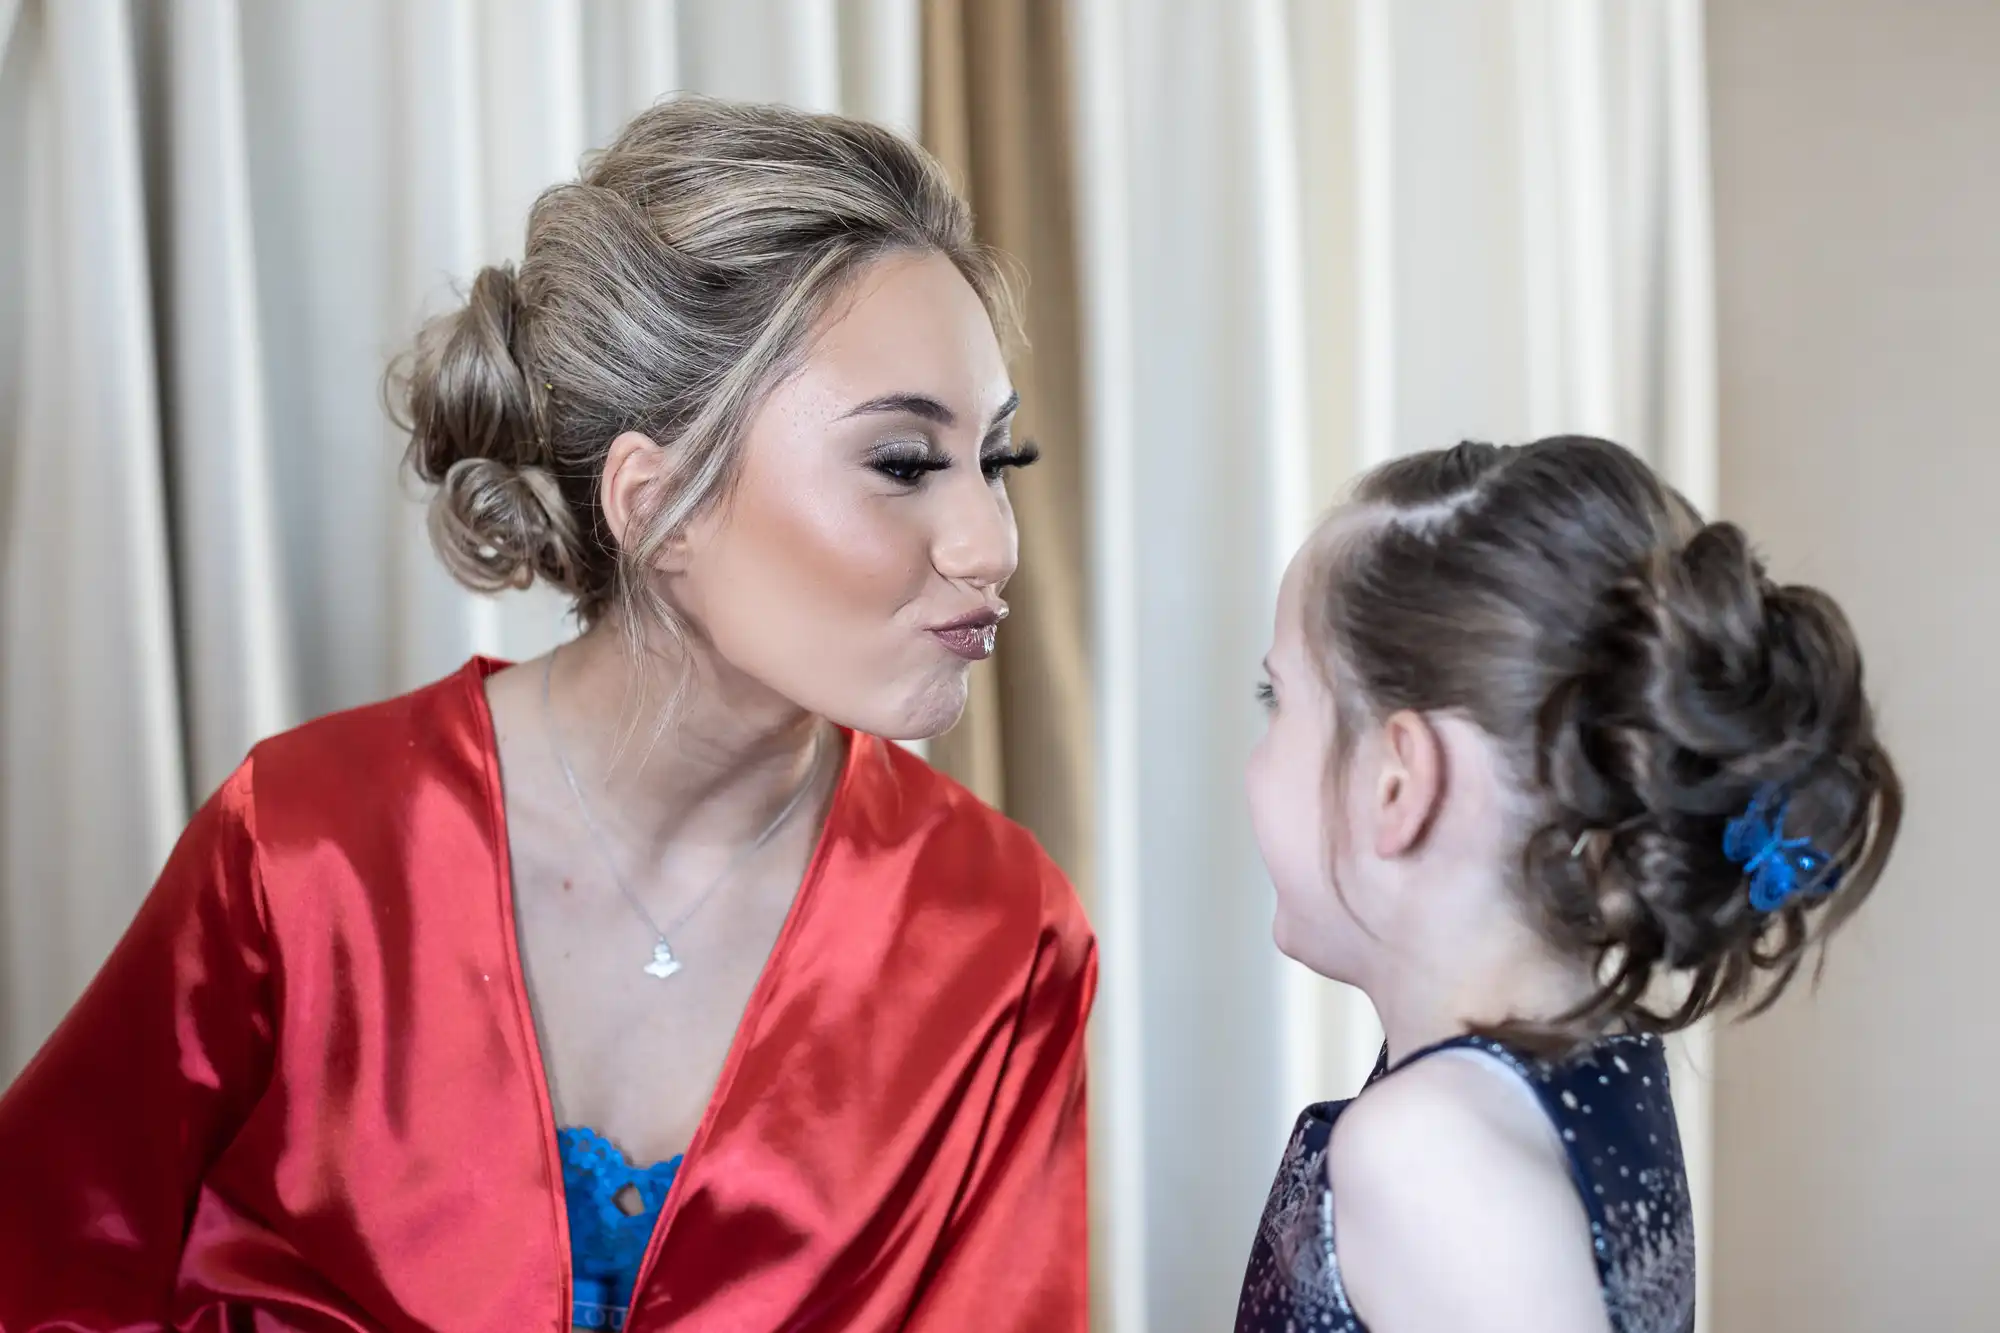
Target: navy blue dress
1612	1109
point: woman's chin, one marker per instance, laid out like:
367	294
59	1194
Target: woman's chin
933	721
922	714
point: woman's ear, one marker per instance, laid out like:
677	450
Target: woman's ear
634	467
1410	784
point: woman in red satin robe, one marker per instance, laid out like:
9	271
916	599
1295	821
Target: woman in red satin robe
648	958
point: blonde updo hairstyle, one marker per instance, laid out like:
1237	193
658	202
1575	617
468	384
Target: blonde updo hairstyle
665	292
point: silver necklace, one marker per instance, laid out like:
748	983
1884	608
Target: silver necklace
664	963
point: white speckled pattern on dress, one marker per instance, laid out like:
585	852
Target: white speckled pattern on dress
1613	1110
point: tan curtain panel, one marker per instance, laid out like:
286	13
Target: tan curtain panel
996	111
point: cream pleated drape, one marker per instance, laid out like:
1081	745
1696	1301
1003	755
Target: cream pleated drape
218	221
1316	234
92	783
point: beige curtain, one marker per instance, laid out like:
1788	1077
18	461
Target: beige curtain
996	111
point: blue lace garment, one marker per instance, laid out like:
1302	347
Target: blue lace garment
607	1244
1612	1108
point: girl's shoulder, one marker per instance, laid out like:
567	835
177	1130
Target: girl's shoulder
1514	1172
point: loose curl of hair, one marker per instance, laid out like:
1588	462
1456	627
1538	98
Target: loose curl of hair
1643	678
663	292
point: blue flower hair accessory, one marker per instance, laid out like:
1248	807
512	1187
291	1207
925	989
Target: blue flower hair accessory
1778	867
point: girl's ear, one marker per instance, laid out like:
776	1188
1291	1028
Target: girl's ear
1410	784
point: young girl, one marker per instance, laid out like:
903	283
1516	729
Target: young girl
1552	768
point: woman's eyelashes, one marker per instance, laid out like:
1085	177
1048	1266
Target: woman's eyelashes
1267	697
996	461
908	464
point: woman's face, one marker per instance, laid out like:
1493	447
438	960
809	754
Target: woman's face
856	566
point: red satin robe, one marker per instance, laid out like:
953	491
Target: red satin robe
305	1092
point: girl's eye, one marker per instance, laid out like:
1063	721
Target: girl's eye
1267	697
994	464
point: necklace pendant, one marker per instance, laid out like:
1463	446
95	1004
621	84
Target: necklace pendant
664	963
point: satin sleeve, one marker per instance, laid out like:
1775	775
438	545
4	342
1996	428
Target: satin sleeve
107	1135
1016	1256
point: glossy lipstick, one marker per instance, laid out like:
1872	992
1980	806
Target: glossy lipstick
972	637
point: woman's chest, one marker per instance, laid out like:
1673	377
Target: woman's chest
631	1053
